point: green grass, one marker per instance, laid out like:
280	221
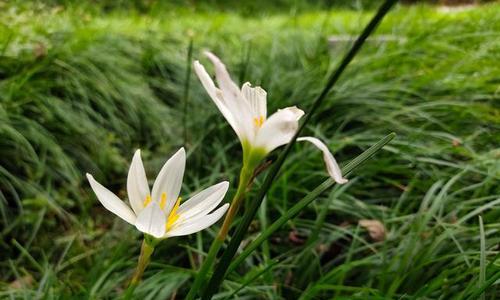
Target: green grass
80	90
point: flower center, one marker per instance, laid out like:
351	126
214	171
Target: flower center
258	121
173	216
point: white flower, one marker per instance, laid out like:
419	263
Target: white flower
159	213
246	111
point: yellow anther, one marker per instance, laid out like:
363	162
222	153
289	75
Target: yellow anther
258	121
163	200
173	216
146	201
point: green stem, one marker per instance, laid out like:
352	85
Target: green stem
245	178
147	249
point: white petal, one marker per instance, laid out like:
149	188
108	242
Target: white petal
226	84
152	220
256	97
169	180
111	202
233	99
205	79
217	98
331	164
198	224
279	128
203	202
137	184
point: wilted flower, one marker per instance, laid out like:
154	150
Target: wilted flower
160	213
246	111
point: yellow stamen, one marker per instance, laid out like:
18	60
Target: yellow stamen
146	201
173	216
163	200
258	121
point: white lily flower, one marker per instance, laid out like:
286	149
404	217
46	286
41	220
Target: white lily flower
246	111
159	212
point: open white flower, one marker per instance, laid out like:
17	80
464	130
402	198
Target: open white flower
159	212
246	111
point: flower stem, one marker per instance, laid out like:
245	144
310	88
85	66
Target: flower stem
245	179
147	249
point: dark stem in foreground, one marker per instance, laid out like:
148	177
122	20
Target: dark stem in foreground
227	256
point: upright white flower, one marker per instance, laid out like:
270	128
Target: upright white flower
159	212
246	111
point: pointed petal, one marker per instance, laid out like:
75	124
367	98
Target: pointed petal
137	183
226	84
169	180
218	99
199	224
206	80
233	99
111	202
203	202
279	128
257	98
152	220
331	164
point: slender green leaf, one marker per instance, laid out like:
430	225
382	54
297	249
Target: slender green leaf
482	260
227	256
297	208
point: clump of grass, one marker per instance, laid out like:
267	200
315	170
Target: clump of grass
79	91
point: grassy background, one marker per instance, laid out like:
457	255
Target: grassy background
82	86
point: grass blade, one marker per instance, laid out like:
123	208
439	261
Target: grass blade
482	260
227	256
292	212
480	290
269	266
185	96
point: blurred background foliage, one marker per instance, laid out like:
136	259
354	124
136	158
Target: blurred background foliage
83	84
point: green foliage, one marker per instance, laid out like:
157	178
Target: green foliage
81	89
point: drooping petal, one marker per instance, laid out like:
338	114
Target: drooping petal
331	164
198	224
169	180
152	220
137	183
279	128
111	202
257	98
203	202
217	97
